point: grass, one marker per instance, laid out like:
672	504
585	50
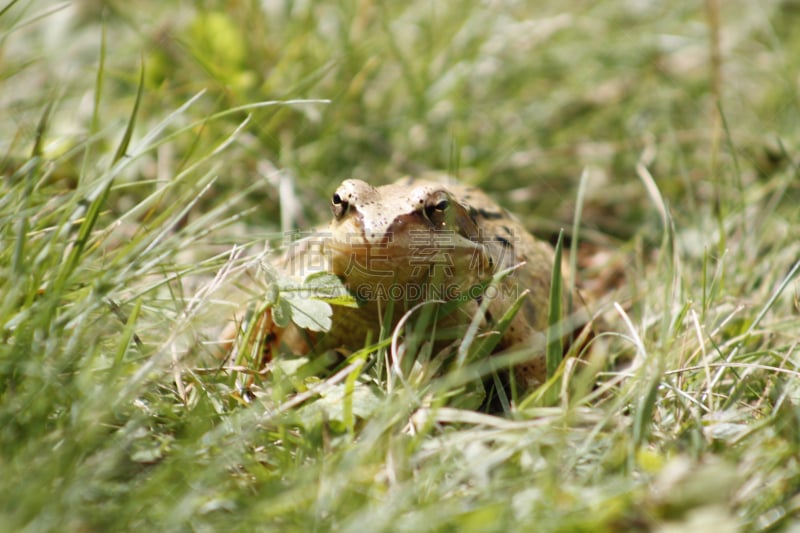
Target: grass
148	153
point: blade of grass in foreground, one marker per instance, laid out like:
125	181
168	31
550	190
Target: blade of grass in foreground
555	342
573	245
98	201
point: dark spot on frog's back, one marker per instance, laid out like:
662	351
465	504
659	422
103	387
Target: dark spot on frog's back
491	215
473	215
485	214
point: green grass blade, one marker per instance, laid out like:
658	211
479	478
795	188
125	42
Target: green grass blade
645	407
41	131
573	245
128	333
97	203
555	341
488	342
6	7
122	149
99	81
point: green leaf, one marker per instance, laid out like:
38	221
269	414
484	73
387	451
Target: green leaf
328	288
308	313
282	312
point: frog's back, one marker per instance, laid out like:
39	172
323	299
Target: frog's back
511	245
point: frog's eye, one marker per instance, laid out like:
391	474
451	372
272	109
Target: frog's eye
436	207
339	205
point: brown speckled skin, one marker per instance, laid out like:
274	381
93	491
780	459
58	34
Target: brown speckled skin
427	235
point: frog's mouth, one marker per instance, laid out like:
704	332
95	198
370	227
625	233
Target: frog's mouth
409	252
404	235
398	247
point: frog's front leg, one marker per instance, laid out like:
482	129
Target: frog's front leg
256	336
253	335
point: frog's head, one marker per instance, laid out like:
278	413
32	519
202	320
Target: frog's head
407	232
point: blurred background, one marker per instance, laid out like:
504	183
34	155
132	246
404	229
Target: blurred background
518	97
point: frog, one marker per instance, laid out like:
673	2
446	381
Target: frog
415	241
